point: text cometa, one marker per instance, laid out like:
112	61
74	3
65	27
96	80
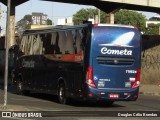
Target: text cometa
105	50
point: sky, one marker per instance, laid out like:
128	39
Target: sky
54	10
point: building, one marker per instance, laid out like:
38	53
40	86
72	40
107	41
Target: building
39	20
65	21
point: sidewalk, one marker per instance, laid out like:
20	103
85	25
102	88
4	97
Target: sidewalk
152	90
13	108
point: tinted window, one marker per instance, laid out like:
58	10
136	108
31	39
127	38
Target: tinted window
69	49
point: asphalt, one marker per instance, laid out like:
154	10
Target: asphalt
151	90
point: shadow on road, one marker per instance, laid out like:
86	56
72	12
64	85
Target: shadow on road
72	102
54	98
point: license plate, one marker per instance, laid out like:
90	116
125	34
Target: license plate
114	95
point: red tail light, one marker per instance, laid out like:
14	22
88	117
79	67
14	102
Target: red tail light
137	81
95	25
89	77
136	27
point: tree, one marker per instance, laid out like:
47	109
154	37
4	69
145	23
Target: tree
49	22
84	14
128	17
155	18
24	23
153	29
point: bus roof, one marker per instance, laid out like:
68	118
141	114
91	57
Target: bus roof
68	27
54	28
114	25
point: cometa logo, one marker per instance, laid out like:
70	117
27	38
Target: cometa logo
105	50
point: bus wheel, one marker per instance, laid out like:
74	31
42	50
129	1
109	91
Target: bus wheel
19	87
61	94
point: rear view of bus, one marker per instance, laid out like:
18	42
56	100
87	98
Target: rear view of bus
114	68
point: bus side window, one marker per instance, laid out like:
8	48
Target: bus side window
56	45
22	45
84	35
62	42
29	45
37	45
30	40
78	42
74	34
69	49
48	44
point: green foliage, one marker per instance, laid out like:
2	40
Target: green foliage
103	17
154	19
28	26
49	22
153	29
25	22
84	14
128	17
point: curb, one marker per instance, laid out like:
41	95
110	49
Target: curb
13	108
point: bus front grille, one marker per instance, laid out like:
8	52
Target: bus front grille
114	60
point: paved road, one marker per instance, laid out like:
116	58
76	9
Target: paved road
44	102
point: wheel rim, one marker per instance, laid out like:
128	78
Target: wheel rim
20	86
61	94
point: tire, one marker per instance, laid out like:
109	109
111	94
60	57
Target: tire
62	94
12	78
20	90
19	87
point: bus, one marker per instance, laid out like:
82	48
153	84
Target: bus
99	62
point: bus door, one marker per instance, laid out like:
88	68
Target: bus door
115	57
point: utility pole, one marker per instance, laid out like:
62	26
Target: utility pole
52	12
110	18
0	20
7	38
99	16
